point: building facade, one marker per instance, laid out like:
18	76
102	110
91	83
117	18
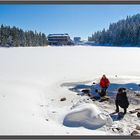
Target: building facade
59	39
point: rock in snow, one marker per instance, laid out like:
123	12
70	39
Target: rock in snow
87	115
138	127
138	114
63	99
135	133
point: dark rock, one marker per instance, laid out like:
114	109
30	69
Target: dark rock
47	119
104	99
63	99
95	98
138	114
138	95
132	111
138	109
138	127
119	129
86	91
135	133
88	94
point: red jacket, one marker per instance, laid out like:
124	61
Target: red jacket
104	82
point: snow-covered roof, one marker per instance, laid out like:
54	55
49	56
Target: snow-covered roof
53	35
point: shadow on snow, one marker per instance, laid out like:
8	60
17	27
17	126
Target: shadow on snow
112	89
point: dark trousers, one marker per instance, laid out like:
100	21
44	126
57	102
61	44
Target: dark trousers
117	107
103	92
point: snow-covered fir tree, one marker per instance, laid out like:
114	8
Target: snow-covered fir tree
13	36
125	32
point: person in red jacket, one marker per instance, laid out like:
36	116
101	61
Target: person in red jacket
104	83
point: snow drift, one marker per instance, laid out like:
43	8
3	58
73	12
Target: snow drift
88	116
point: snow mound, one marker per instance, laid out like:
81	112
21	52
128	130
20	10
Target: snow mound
87	115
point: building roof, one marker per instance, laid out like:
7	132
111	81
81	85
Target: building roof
53	35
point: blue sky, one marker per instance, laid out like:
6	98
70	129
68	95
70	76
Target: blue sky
77	20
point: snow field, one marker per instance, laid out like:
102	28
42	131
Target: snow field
30	88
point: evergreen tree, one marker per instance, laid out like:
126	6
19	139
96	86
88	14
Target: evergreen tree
13	36
125	32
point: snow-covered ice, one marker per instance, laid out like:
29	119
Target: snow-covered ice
33	80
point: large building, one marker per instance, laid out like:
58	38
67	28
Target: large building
59	39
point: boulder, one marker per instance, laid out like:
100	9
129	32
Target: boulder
135	133
63	99
138	114
138	127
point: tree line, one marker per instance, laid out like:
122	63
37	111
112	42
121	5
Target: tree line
15	37
125	32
